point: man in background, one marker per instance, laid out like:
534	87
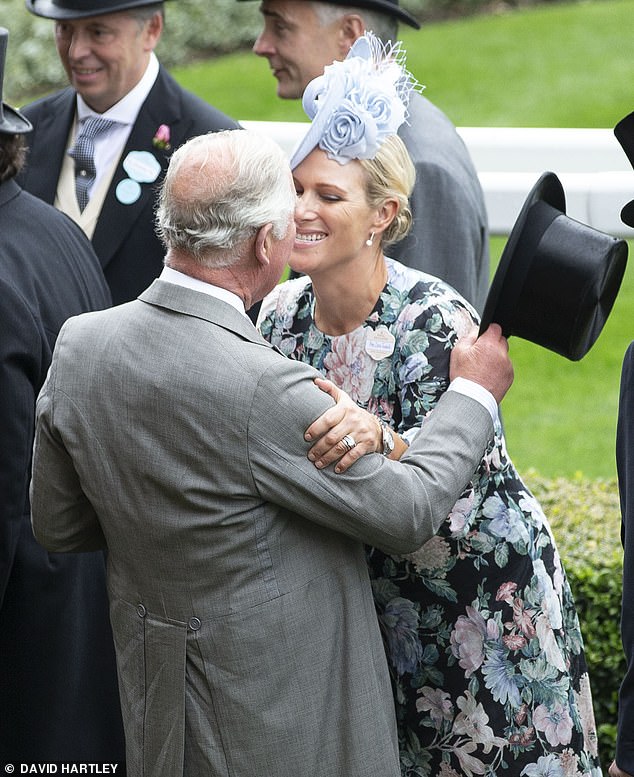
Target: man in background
58	683
105	174
449	236
623	765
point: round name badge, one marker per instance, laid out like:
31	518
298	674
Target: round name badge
142	166
128	191
380	343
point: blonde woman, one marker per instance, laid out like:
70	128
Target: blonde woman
479	625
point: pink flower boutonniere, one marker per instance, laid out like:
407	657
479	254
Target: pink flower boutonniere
162	138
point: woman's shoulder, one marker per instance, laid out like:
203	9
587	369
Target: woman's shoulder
424	291
284	297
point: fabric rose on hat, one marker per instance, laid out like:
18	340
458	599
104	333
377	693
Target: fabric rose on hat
357	103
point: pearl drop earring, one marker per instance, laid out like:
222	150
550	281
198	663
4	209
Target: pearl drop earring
370	240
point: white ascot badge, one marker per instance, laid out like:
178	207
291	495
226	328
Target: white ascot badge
141	167
357	103
380	343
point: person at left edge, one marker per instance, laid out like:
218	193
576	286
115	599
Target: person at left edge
58	681
623	764
107	50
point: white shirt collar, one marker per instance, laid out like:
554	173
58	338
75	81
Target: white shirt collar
127	109
170	275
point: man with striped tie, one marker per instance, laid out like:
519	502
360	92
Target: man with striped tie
101	147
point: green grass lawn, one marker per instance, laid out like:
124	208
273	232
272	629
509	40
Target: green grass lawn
559	65
554	65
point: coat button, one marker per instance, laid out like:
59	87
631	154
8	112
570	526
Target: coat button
194	624
141	611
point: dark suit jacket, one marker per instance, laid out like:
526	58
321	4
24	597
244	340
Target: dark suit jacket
625	466
125	241
58	691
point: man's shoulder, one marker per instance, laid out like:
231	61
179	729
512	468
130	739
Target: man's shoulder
49	102
25	209
429	133
422	108
436	148
193	107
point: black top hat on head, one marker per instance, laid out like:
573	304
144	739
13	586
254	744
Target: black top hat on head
12	122
624	132
78	9
557	278
389	7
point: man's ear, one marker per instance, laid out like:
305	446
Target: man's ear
352	28
263	241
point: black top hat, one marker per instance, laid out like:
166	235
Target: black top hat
78	9
557	279
12	122
624	132
389	7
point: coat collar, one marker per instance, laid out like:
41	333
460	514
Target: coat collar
46	156
162	106
8	190
199	305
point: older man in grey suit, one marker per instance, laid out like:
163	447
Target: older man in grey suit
172	434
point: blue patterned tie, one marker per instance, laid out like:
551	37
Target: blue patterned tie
82	152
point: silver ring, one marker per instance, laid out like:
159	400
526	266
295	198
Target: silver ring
349	442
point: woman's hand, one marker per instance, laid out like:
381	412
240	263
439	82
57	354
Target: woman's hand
343	433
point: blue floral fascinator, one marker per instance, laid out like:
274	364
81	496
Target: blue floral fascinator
357	103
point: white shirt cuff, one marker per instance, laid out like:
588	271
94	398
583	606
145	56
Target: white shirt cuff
474	390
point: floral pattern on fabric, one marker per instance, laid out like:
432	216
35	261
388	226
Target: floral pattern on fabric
480	628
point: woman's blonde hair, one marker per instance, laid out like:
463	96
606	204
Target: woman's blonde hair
391	174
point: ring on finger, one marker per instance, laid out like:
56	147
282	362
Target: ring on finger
349	442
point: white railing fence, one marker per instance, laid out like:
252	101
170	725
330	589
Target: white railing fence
594	171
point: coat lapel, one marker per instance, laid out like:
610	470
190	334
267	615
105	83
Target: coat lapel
162	106
200	305
45	158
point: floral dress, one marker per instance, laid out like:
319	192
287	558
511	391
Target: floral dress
480	629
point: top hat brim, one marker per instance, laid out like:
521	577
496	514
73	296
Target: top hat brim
80	9
12	122
624	132
627	214
389	7
547	188
557	279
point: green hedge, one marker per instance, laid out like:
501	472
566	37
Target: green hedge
585	519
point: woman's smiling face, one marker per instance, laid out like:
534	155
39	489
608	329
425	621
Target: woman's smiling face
332	215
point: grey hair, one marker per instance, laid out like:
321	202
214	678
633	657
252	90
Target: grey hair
383	25
219	190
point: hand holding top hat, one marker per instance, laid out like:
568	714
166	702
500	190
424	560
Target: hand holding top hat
557	278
